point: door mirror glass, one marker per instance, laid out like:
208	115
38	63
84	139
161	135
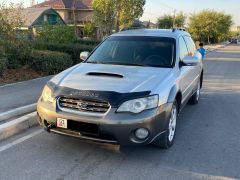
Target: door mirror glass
190	61
84	55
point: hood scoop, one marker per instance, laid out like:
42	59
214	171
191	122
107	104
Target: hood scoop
104	74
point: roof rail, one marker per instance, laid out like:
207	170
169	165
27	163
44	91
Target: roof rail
181	29
178	29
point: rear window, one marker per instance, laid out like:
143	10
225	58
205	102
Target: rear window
191	46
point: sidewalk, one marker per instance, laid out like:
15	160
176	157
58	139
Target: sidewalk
213	47
21	94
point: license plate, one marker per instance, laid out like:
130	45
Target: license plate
62	123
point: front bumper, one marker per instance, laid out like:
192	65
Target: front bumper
114	128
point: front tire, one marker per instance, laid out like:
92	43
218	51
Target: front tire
166	140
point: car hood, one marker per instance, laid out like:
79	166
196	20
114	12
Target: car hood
117	78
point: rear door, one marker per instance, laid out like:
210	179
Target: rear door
195	70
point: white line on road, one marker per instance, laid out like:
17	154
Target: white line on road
20	140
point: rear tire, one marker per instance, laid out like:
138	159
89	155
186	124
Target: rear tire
195	97
166	139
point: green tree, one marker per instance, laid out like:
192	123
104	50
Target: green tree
210	26
104	15
14	50
234	34
167	21
127	11
118	14
10	20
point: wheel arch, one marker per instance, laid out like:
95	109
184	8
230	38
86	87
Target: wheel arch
175	94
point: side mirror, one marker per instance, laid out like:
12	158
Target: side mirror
191	61
84	55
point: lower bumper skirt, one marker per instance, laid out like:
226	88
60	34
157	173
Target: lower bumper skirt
67	132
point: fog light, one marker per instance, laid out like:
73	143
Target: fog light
141	133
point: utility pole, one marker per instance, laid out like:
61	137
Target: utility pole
33	3
174	17
74	17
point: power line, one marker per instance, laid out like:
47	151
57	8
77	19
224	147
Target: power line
167	6
163	4
174	12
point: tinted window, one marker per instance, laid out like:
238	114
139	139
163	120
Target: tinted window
136	51
191	46
183	48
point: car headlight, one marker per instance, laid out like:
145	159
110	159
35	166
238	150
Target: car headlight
139	105
47	94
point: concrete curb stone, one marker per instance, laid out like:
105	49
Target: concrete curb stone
17	112
18	125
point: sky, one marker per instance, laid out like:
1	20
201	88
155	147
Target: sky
157	8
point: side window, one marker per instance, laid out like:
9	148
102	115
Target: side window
182	48
191	46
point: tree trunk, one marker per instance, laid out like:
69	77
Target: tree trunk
208	39
118	9
117	22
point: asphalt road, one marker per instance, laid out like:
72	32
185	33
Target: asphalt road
21	94
207	144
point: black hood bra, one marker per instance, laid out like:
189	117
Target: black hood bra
115	99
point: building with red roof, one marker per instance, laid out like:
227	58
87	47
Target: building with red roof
68	9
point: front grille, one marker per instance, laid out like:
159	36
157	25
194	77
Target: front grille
83	105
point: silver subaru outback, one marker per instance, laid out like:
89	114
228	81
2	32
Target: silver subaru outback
128	91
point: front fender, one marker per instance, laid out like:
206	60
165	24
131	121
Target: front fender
172	94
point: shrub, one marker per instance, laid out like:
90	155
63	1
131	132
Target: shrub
3	65
72	49
18	54
3	61
87	42
75	49
56	34
50	62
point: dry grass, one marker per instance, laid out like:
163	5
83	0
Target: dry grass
21	74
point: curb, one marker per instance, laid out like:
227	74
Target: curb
18	125
18	111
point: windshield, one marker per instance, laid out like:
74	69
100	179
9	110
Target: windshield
135	51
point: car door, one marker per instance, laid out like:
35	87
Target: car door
195	70
185	71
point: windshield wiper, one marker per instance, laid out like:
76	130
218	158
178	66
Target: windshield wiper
115	63
95	62
125	64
